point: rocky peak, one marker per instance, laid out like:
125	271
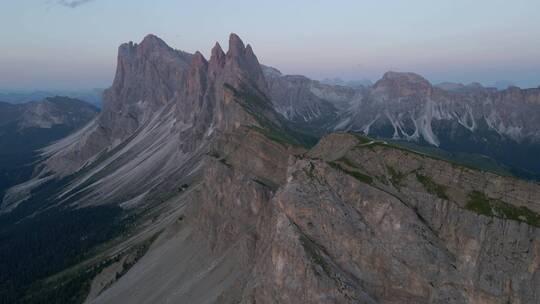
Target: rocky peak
153	43
218	56
243	64
236	46
250	55
156	84
403	84
271	72
198	60
148	76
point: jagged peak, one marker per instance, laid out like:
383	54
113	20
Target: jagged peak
152	40
218	56
236	45
217	51
198	57
249	50
149	43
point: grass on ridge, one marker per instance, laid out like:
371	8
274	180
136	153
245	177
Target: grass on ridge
481	204
432	187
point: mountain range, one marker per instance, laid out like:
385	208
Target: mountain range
221	180
92	96
26	127
501	124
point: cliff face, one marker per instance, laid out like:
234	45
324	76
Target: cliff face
305	101
467	222
159	117
349	221
415	110
219	201
405	106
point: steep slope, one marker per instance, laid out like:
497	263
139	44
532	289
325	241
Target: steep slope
499	124
168	118
191	188
410	228
352	221
305	101
26	127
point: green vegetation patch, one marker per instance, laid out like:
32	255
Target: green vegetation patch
29	255
274	135
431	186
348	162
396	176
359	176
362	138
481	204
73	285
272	125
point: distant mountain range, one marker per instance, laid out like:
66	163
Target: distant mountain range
502	124
349	83
26	127
92	96
223	181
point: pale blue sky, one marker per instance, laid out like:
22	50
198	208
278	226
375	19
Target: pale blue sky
51	44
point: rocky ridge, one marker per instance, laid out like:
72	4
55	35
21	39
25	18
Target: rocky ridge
227	204
46	113
501	124
27	127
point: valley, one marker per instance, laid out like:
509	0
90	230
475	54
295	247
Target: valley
222	181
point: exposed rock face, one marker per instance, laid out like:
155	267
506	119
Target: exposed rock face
500	124
161	99
306	101
340	227
468	253
405	106
413	108
237	211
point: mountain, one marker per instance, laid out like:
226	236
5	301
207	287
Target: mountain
503	84
92	96
26	127
191	187
308	103
500	124
171	125
350	83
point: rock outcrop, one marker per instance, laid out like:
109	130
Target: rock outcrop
502	124
305	101
224	203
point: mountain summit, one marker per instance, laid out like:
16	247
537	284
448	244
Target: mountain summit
191	187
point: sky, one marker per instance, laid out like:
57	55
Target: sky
72	44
